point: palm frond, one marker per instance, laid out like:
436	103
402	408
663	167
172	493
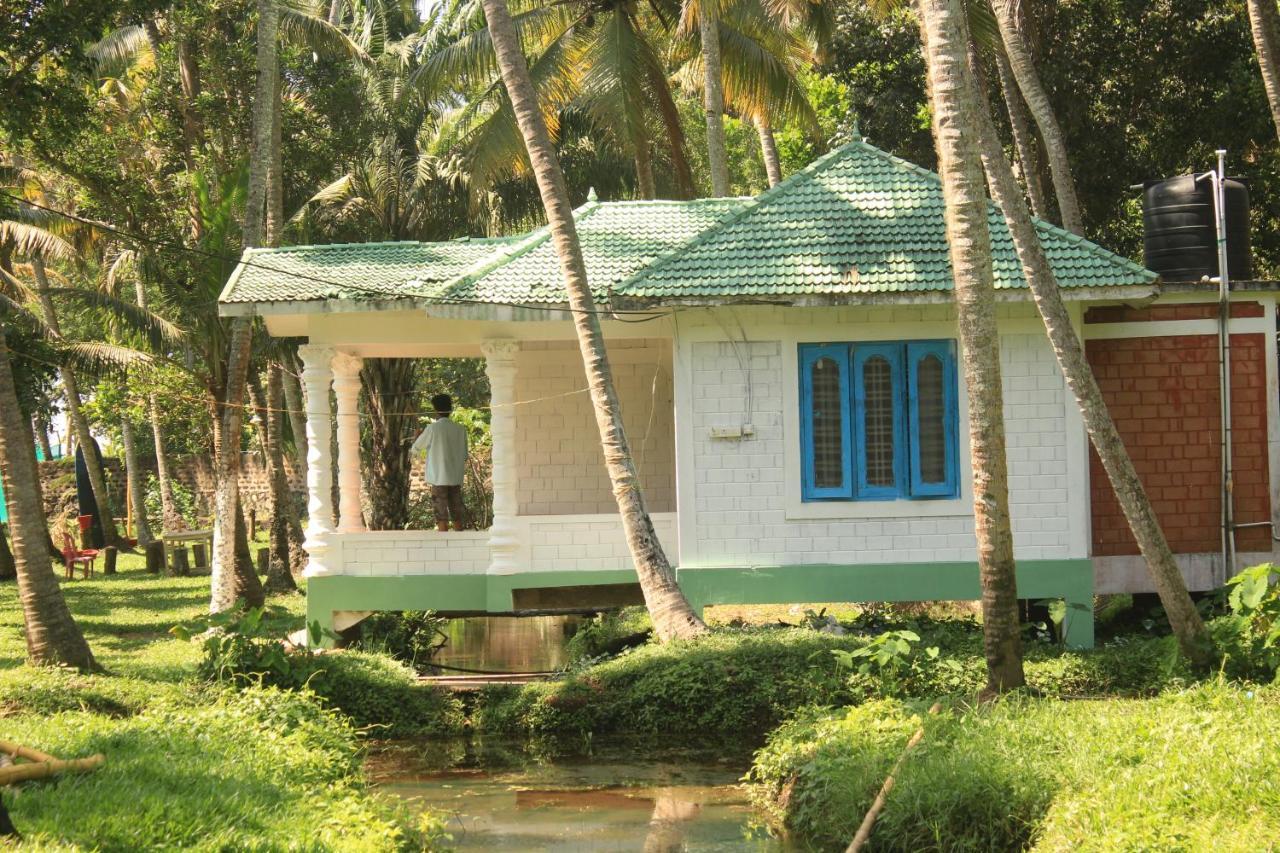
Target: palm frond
300	26
31	241
116	52
100	359
158	331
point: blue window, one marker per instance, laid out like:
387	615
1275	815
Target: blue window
878	421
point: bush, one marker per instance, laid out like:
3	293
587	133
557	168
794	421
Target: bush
1102	775
599	636
384	695
372	689
411	636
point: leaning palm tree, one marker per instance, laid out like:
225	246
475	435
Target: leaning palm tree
53	637
1185	620
945	33
672	616
1009	18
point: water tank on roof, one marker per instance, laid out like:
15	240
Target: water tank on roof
1179	235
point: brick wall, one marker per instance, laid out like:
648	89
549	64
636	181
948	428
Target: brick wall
560	465
1164	395
740	486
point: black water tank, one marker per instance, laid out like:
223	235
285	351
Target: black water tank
1180	239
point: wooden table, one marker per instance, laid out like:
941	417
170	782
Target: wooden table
174	540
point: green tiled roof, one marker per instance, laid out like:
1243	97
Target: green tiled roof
858	220
353	270
618	239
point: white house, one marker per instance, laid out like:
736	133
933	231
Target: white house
787	369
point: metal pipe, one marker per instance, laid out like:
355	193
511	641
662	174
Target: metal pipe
1218	177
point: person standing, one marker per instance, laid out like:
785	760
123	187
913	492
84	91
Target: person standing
444	445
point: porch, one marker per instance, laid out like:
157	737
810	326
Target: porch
553	508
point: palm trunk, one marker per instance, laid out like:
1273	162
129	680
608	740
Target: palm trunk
41	427
92	463
8	571
1266	40
275	177
137	500
959	165
1055	145
769	151
672	616
713	98
239	582
297	416
1163	569
229	582
279	574
1024	141
389	400
53	637
644	168
169	518
675	133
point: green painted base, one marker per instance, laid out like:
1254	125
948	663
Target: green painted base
1071	580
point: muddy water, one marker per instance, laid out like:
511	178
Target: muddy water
498	797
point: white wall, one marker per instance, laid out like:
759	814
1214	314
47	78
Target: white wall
560	466
740	499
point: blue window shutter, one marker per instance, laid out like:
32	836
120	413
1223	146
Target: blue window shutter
810	355
873	481
933	477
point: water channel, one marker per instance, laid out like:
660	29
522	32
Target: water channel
498	796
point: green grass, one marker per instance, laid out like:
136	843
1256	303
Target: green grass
191	764
1187	770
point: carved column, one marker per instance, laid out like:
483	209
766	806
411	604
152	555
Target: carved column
500	367
317	375
346	388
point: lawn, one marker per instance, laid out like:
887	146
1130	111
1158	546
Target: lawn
189	764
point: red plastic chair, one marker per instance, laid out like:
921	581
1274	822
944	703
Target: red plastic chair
73	556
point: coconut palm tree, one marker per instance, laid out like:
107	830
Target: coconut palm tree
230	581
1161	566
604	59
1009	19
53	637
946	47
1266	41
672	616
762	49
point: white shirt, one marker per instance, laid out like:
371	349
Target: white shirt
444	444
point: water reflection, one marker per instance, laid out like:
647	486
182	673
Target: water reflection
616	799
508	643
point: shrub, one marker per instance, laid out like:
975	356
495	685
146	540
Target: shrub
600	636
411	636
1104	775
373	690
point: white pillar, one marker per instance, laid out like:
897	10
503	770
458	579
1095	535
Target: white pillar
346	388
500	367
317	374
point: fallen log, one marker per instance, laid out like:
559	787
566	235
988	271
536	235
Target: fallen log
44	769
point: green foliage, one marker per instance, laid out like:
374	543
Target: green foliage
411	636
594	638
184	501
1096	775
374	691
1250	636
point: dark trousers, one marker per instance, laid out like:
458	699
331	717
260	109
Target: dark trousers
446	504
